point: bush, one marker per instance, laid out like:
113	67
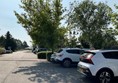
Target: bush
2	50
44	55
41	55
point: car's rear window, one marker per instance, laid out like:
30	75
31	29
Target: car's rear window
87	53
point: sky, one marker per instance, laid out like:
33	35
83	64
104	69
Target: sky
8	21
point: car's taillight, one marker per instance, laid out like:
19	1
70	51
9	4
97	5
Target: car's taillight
87	58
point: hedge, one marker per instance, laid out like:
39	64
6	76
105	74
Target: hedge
44	55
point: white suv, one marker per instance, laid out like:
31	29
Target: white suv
67	56
102	64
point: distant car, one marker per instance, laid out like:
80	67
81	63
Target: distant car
102	64
68	56
8	51
36	50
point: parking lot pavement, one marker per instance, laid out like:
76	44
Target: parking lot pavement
26	68
45	72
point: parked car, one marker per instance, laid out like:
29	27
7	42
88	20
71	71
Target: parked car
53	57
36	50
67	56
103	64
8	51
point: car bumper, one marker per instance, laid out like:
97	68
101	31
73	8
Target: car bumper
84	70
53	60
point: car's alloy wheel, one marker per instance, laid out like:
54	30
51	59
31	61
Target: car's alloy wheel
66	63
105	77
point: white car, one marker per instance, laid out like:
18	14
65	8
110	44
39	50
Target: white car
67	56
8	51
52	58
103	64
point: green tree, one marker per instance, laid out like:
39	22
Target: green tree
42	19
109	39
106	40
25	44
115	19
2	41
91	19
62	37
10	42
83	42
73	42
19	44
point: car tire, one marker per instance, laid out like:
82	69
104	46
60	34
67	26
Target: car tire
105	76
66	63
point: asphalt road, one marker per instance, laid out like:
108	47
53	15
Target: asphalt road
24	67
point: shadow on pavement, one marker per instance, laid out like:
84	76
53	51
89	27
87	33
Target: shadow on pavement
46	72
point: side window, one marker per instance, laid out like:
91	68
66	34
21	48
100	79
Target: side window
73	51
110	55
78	51
69	51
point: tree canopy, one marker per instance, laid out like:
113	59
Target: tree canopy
42	19
92	20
